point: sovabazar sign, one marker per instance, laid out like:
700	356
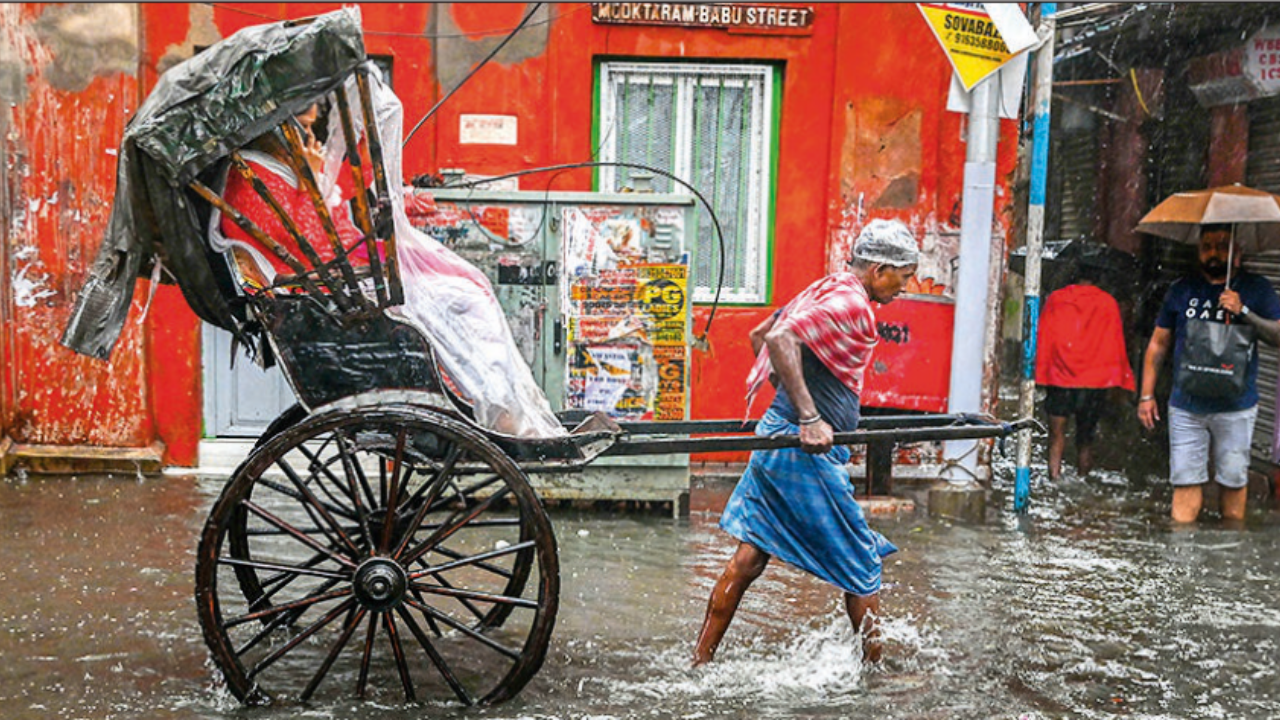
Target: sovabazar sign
734	17
978	37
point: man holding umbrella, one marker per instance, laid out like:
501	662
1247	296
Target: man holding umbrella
1214	400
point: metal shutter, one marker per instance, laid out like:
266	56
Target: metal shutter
1076	157
1262	171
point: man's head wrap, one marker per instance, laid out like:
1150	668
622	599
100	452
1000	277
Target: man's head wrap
887	242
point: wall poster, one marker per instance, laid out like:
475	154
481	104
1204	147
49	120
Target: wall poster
626	315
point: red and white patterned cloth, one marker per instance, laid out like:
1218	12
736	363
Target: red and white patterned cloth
834	319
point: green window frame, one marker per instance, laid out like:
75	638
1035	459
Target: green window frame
713	125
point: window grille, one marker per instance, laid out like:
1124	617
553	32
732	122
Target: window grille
713	127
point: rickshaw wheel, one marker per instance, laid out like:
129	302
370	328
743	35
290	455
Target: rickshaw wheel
251	585
388	550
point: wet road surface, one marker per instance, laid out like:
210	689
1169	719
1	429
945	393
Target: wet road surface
1090	606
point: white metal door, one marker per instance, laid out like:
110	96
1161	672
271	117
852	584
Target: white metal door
239	402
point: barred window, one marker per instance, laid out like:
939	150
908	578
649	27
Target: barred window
714	127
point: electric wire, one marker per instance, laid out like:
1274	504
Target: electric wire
715	303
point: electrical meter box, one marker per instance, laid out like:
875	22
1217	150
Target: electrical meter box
596	289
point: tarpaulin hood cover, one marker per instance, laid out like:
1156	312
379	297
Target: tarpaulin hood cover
201	110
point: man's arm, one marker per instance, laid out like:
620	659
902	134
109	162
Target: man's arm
758	332
1152	361
1268	330
784	353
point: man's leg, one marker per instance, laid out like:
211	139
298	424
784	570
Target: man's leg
1232	434
1090	411
1188	462
1057	444
1233	502
744	567
1186	503
864	613
1084	457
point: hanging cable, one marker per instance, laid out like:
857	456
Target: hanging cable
715	221
472	72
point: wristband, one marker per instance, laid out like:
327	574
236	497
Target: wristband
1244	310
810	421
1145	398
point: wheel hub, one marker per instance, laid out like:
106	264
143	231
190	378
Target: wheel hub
380	584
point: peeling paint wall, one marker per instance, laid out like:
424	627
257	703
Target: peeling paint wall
201	32
67	79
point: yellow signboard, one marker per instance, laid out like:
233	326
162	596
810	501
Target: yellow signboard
970	38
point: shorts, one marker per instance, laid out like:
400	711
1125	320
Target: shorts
1084	403
1189	446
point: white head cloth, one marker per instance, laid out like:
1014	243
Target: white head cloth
888	242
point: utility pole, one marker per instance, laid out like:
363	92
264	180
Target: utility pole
972	278
1035	244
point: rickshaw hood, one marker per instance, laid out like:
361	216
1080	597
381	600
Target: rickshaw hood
199	111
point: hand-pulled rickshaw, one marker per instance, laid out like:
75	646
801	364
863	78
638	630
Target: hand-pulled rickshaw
378	539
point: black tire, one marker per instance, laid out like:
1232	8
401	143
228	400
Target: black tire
456	597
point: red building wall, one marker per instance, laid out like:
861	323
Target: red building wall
863	134
66	101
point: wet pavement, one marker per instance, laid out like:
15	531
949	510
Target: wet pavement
1089	606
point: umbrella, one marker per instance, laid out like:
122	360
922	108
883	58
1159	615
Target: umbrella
1254	216
1061	258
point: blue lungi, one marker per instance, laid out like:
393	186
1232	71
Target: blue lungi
800	508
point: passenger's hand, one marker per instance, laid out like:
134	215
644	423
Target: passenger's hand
1148	413
313	152
816	438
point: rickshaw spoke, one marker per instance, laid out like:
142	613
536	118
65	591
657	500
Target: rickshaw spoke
347	463
298	639
435	486
436	659
279	581
433	614
277	623
447	530
296	534
431	623
433	489
401	665
382	481
466	496
474	595
353	620
312	504
443	581
279	567
289	492
300	604
391	497
318	468
472	559
349	449
454	554
362	683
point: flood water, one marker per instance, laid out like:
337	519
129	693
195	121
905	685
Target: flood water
1089	606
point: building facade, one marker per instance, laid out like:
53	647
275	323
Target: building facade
799	122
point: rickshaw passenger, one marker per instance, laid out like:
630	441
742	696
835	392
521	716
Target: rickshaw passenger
448	299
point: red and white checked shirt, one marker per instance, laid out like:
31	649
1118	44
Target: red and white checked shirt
834	319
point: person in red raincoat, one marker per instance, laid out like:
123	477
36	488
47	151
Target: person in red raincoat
1081	354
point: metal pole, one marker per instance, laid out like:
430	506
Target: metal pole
1035	243
969	334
